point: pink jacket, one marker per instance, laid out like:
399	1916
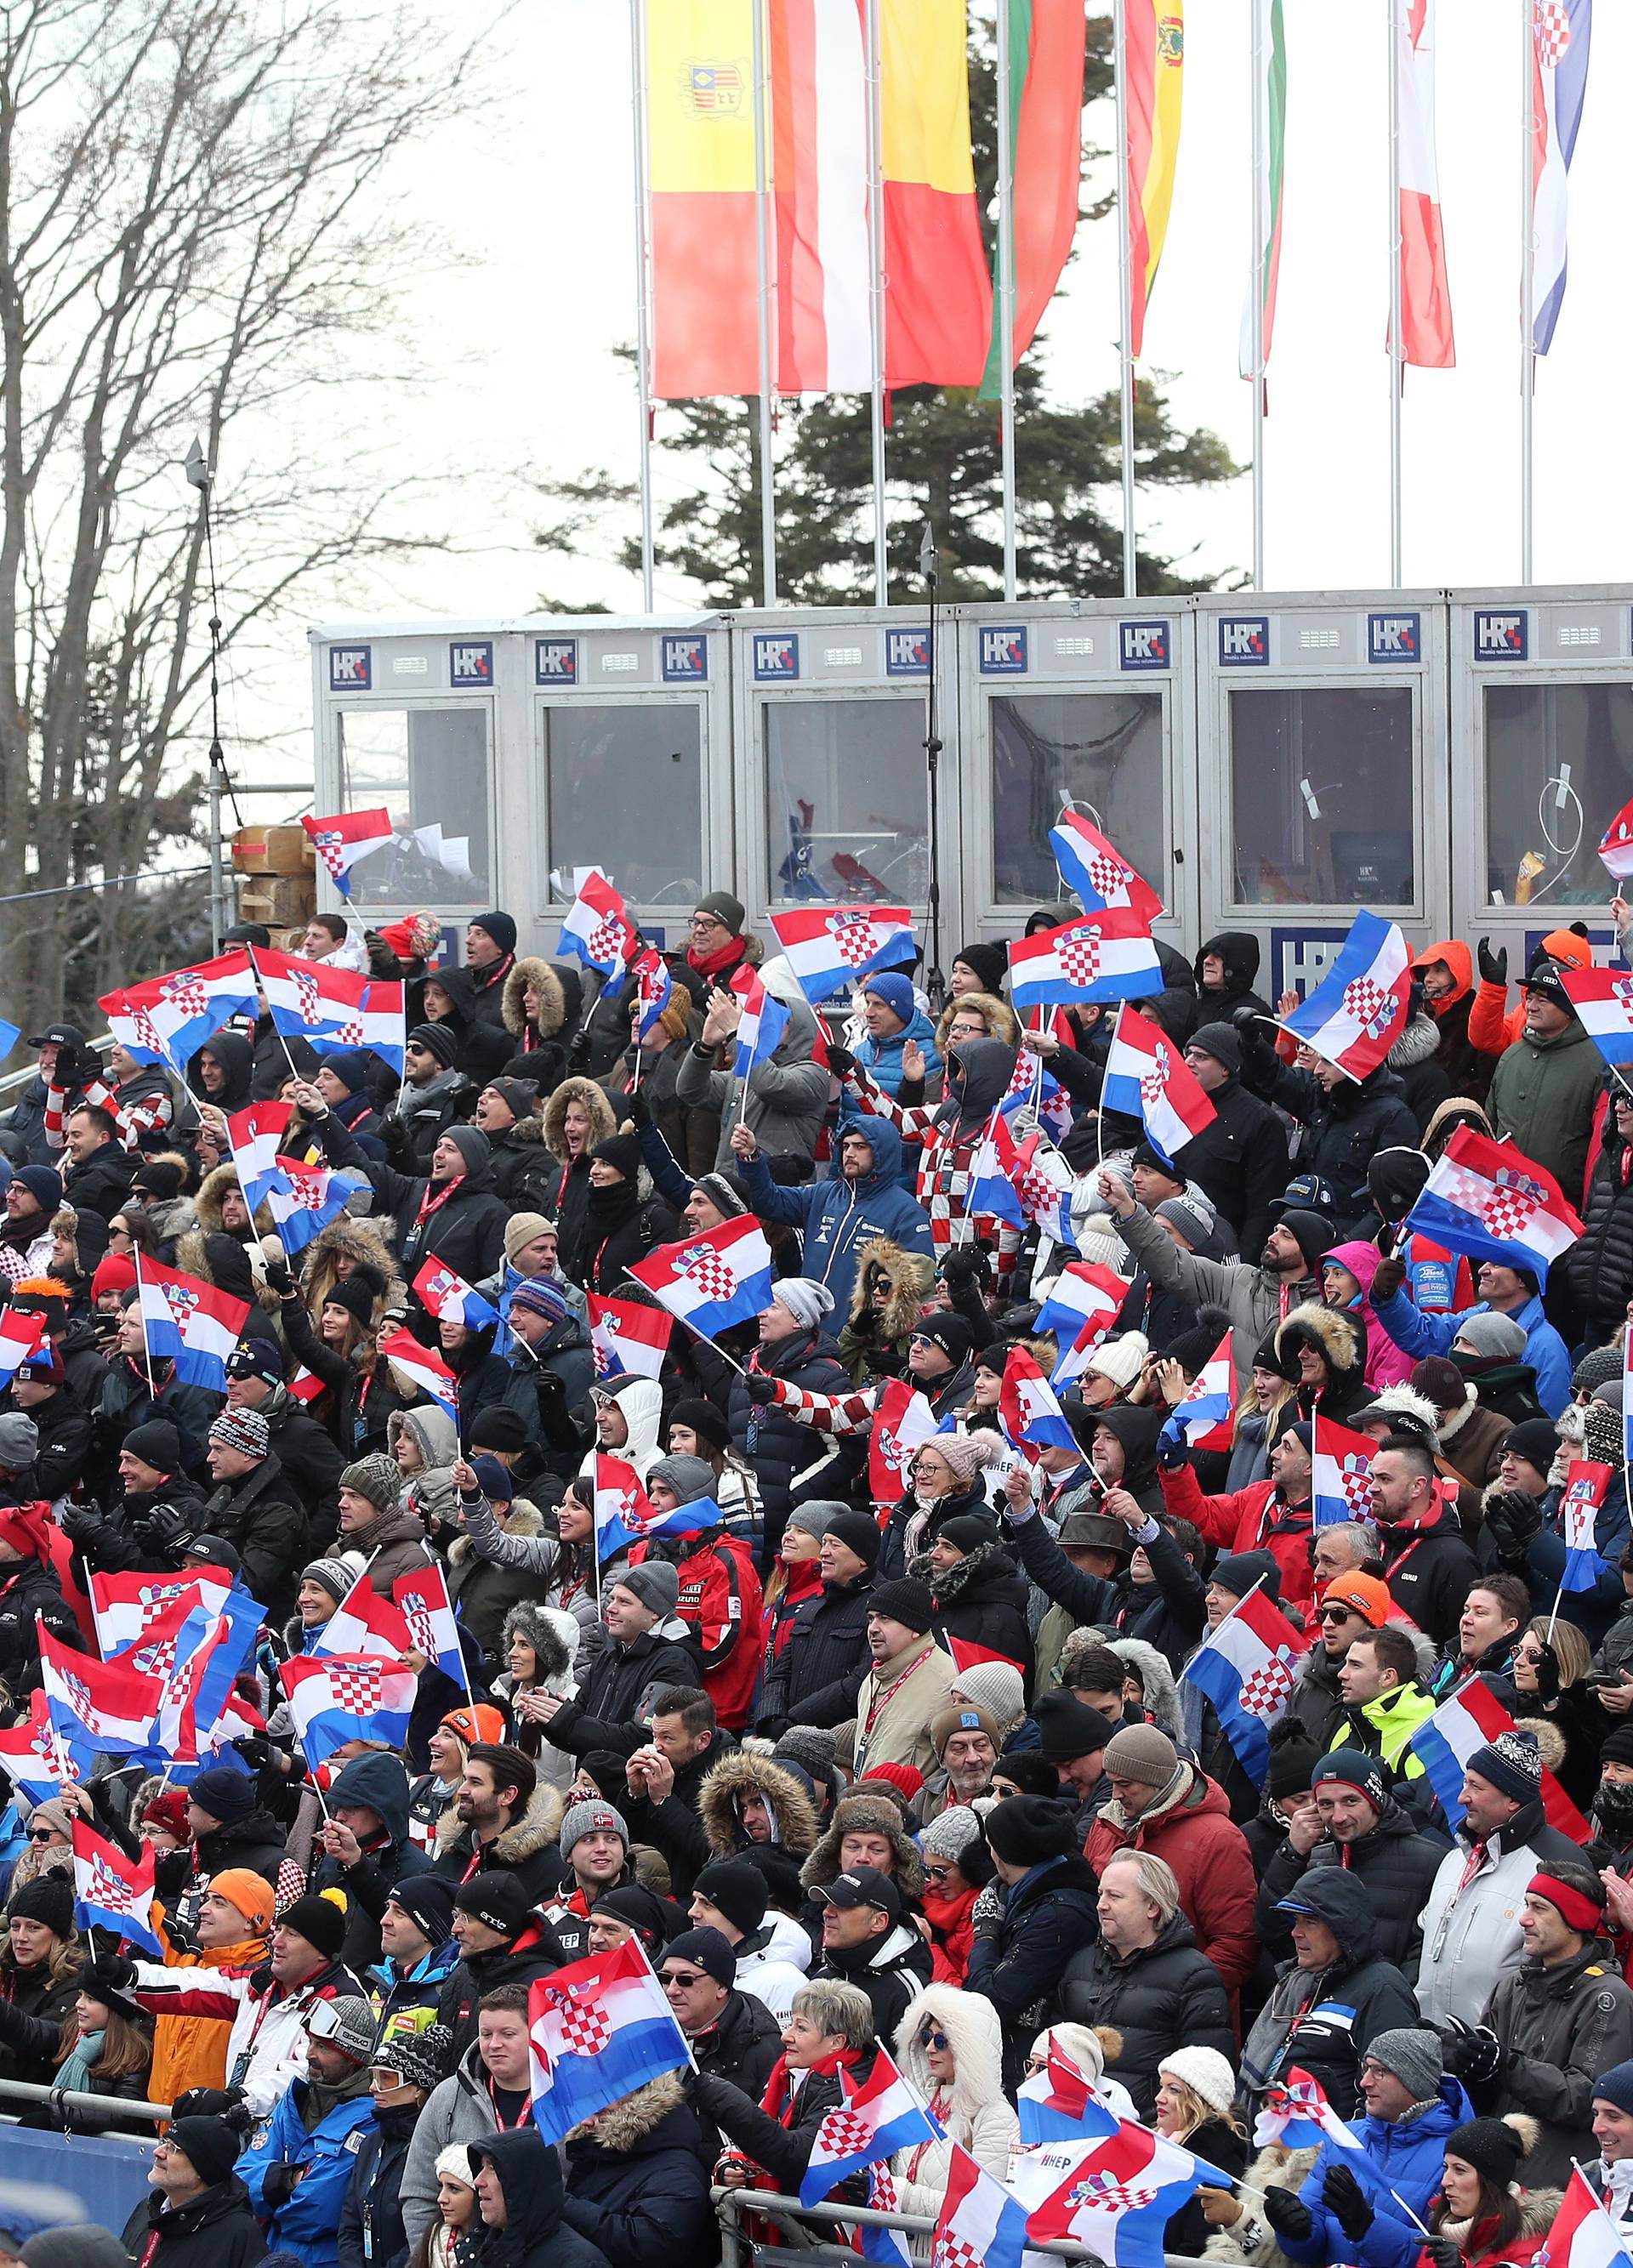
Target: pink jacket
1386	1364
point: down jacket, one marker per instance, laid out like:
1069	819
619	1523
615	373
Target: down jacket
1601	1266
1189	1826
637	2186
1396	1862
1047	1914
1324	2020
973	2111
826	1650
1164	1993
1343	1129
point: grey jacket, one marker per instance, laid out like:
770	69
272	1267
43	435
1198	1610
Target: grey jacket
459	2110
1250	1298
786	1096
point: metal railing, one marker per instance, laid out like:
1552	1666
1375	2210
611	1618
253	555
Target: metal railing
789	2216
115	2108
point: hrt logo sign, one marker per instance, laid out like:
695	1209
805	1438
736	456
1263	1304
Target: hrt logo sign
555	661
1502	638
775	657
1003	652
1143	645
907	653
1394	638
470	662
685	661
1244	642
350	668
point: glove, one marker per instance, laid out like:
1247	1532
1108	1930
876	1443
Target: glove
111	1971
1289	2215
280	1280
637	1109
1476	2057
81	1523
1387	1278
1442	2251
278	2184
841	1062
1493	966
1513	1519
986	1914
579	1053
760	1389
1548	1674
256	1752
965	1264
1172	1454
1343	2197
207	2102
1242	1018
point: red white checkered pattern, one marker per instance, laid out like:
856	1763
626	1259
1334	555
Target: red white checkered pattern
1107	876
853	939
1079	956
187	992
307	993
349	1034
110	1890
951	2251
1367	1002
606	940
585	2030
1267	1688
712	1277
1153	1082
842	2134
421	1628
1508	1213
357	1691
1553	27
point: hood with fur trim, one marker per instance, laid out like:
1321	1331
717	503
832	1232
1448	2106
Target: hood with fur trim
628	2120
603	1125
1445	1118
538	1827
432	1428
1332	1331
1550	1740
1410	1402
553	1634
971	2026
539	974
909	1275
365	1240
798	1821
865	1814
1156	1679
1416	1044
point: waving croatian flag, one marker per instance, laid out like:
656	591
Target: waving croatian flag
598	2029
1490	1200
630	1338
1027	1409
450	1299
1083	1305
1358	1010
165	1019
1098	872
1043	1182
95	1705
596	929
311	1196
1105	956
22	1333
979	2221
872	2122
903	1422
1246	1668
1298	2116
421	1600
1562	33
342	839
991	1190
624	1511
127	1608
654	987
31	1757
1114	2196
112	1891
762	1023
337	1697
1202	1420
1583	2234
254	1136
1472	1718
332	1008
1031	1087
188	1321
1148	1079
1603	1001
830	947
1579	1508
1342	1463
720	1276
1615	845
363	1623
1060	2105
424	1367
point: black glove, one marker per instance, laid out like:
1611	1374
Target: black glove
81	1523
1243	1018
760	1389
1387	1278
1443	2252
207	2102
841	1061
256	1752
277	2183
1476	2057
579	1053
1493	966
1344	2199
1513	1519
1289	2215
966	1263
1547	1673
280	1280
111	1971
637	1109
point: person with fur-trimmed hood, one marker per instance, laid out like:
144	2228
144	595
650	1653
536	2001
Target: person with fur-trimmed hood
746	1800
950	2048
887	1300
1329	1346
219	1210
637	2186
539	1647
504	1817
533	1006
578	1119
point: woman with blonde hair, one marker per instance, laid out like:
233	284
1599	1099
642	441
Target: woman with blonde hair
1195	2106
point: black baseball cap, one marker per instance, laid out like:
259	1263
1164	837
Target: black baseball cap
861	1885
59	1035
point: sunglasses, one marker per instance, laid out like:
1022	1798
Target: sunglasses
929	2037
1337	1613
939	1873
41	1834
682	1983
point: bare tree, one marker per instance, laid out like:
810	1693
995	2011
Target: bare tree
196	236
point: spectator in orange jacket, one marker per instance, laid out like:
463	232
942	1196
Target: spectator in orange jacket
720	1591
1492	1024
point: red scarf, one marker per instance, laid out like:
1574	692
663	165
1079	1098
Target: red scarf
781	2098
715	963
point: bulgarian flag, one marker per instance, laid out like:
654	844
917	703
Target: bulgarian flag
1154	77
1046	41
1258	313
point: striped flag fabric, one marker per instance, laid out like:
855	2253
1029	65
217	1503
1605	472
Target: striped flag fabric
1583	2234
1426	333
363	1623
95	1705
903	1421
830	947
720	1276
1092	866
1031	1417
1562	34
1473	1718
596	928
188	1322
22	1333
1615	845
1083	1297
1490	1201
630	1338
165	1019
1202	1420
421	1600
1586	1483
1258	310
1046	43
978	2221
1105	956
338	1698
1359	1009
875	2118
253	1136
1154	71
346	837
1148	1078
1114	2195
333	1009
125	1608
112	1891
1245	1668
303	1201
1060	2104
1603	1001
1342	1469
447	1295
654	986
761	1025
424	1365
598	2029
31	1757
1298	2117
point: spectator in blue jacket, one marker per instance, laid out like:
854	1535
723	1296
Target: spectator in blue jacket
299	2172
894	1019
1511	1291
838	1217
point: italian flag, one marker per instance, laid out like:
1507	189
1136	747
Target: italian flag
1258	313
1046	43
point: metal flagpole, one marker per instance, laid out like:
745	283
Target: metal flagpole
1006	299
876	297
1396	343
1125	271
643	283
1527	288
762	250
1261	222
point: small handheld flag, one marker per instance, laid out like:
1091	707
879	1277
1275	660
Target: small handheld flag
363	1623
1586	1483
1490	1200
1031	1417
1105	956
1615	845
1603	1001
1298	2116
450	1299
829	947
761	1026
1246	1668
1472	1718
873	2120
630	1338
112	1891
423	1366
1202	1420
346	1697
1342	1472
1148	1078
903	1422
347	836
253	1136
1098	872
598	2029
978	2221
1060	2104
720	1276
1358	1010
596	929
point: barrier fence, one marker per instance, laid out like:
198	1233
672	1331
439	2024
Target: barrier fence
105	2173
791	2220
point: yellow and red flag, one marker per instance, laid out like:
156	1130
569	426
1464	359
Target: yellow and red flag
1154	68
701	170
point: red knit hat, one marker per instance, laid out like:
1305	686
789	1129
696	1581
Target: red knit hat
168	1811
908	1778
114	1272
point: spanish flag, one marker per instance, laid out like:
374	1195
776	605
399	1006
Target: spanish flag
1153	68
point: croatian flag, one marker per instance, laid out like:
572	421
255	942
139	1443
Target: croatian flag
903	1422
451	1300
979	2221
1149	1080
1098	872
762	1023
598	2029
127	1608
332	1008
1083	1303
342	839
112	1891
1586	1483
1114	2196
1202	1420
630	1338
165	1019
338	1698
1615	845
1031	1087
1342	1470
1027	1409
214	1702
1043	1182
95	1706
1584	2236
1060	2105
1487	1199
254	1136
1246	1668
829	947
626	1514
1105	956
309	1198
991	1190
1472	1719
424	1367
654	986
22	1333
720	1276
363	1623
596	930
1603	1001
188	1322
1298	2116
871	2123
1562	32
1358	1010
31	1757
421	1600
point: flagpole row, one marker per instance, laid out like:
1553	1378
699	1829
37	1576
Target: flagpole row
1124	267
1004	327
767	287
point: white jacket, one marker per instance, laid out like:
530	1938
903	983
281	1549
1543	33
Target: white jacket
975	2112
1471	1937
774	1971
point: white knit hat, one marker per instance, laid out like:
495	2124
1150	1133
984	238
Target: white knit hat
1206	2073
453	2165
995	1686
1120	1358
1097	1240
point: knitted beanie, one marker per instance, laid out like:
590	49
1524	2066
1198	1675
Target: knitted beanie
859	1532
244	1431
951	1832
1492	2146
590	1818
1413	2052
1204	2069
806	1301
248	1891
1511	1764
337	1575
417	2058
655	1583
949	1721
1142	1753
997	1687
905	1601
520	1230
379	1478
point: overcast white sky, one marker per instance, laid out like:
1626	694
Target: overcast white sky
538	203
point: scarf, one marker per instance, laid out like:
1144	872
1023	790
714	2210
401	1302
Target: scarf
716	963
783	2087
73	2073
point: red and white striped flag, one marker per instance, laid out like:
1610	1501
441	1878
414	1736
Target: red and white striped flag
1425	295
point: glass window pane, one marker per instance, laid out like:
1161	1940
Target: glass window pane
846	800
623	787
1322	787
429	767
1559	766
1103	750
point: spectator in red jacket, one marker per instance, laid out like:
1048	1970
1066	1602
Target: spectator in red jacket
956	1868
720	1591
1274	1515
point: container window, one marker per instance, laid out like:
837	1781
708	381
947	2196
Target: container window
429	767
1559	766
1322	789
624	788
848	801
1104	751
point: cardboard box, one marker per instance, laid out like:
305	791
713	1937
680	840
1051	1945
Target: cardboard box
280	901
273	850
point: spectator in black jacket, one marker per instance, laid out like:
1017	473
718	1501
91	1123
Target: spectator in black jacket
502	1940
866	1943
827	1644
1146	1977
39	1390
454	1216
1240	1159
831	2029
1025	1935
256	1509
1350	1819
731	2035
304	1450
1600	1265
651	1649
